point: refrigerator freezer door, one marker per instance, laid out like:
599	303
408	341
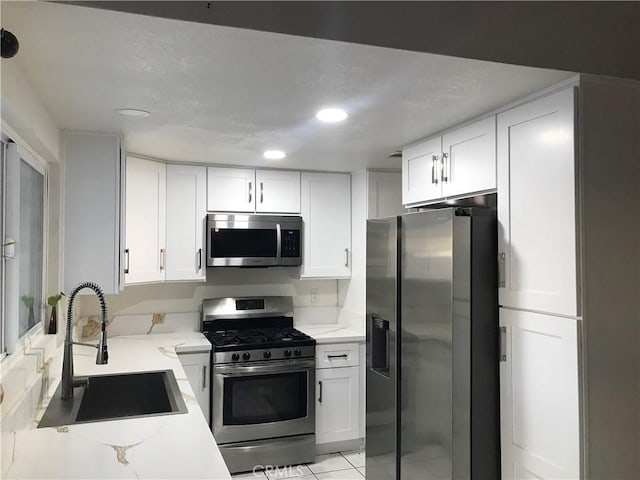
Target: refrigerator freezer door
426	360
381	429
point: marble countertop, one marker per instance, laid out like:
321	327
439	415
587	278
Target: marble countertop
163	447
333	333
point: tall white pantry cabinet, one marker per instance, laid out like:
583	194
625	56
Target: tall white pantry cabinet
569	267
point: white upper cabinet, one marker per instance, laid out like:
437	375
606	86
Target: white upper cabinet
459	163
145	221
246	190
469	159
230	189
539	398
326	212
536	205
186	211
278	191
421	172
92	210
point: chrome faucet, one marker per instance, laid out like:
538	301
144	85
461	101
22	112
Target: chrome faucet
69	382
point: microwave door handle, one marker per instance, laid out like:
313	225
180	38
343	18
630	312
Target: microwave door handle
278	243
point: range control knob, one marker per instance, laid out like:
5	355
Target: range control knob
297	352
287	353
246	356
267	354
235	357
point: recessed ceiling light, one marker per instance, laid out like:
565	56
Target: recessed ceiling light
131	112
331	115
274	154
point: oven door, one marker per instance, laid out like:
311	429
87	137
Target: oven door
259	400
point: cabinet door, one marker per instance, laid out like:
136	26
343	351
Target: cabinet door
421	172
92	210
197	367
186	210
326	212
145	221
230	189
277	191
539	406
469	159
337	404
536	205
384	194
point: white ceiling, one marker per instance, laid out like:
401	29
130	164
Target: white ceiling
224	95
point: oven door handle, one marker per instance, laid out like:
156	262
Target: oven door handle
265	367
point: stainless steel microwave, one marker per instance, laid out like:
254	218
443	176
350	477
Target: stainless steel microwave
253	240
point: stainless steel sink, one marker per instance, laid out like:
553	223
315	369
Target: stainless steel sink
117	396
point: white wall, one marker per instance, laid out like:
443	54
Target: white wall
25	373
23	110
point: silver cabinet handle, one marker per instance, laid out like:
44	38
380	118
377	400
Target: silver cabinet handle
444	172
261	192
346	257
320	396
344	355
434	166
501	272
250	192
162	258
502	332
204	377
126	263
199	259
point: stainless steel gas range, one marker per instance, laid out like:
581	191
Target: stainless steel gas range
263	380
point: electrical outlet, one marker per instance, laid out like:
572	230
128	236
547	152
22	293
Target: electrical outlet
314	295
157	318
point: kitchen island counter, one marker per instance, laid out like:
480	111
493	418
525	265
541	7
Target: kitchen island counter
175	446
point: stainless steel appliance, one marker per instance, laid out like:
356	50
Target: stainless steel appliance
253	240
432	346
263	382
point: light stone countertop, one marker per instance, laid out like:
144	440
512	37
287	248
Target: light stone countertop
162	447
332	333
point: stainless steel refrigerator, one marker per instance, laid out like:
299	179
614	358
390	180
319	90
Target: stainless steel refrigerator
432	346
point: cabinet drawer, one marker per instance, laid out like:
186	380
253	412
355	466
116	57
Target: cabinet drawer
337	355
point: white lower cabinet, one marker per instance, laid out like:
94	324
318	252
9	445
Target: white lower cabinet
338	409
197	367
539	405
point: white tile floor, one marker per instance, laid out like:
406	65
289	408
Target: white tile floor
334	466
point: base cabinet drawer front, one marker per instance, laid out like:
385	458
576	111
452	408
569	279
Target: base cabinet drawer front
337	355
197	366
337	404
539	403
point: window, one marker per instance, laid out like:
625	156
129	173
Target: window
23	214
